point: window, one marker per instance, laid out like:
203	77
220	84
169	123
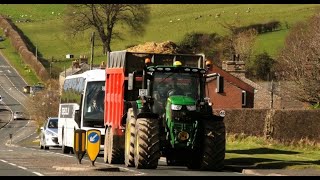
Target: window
244	98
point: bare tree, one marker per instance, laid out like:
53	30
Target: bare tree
105	17
238	43
299	61
45	103
243	42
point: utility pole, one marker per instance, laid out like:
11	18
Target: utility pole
92	47
51	66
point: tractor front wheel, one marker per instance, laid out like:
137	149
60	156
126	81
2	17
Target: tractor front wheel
147	144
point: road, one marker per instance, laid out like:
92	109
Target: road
21	156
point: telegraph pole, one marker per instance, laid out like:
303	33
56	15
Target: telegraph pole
92	47
51	66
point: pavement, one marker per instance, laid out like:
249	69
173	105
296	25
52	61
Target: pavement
272	172
282	172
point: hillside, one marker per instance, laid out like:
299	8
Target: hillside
168	22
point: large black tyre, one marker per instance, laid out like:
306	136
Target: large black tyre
147	144
196	159
129	139
115	150
214	145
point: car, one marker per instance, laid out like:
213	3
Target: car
49	133
1	38
18	115
0	98
26	89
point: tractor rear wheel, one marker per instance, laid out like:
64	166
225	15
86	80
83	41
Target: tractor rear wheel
115	152
147	144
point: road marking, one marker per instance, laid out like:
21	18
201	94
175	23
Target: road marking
7	108
24	168
13	97
15	86
12	67
12	164
21	167
39	174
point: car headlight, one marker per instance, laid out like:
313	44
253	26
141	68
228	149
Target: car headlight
50	133
192	108
176	107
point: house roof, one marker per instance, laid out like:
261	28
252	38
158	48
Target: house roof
241	82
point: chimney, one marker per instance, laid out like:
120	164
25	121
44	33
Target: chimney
235	66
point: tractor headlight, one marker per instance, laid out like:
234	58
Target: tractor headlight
176	107
192	108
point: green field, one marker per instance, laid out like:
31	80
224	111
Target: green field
46	31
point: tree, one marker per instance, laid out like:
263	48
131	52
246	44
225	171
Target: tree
239	43
45	103
105	17
299	61
243	42
196	42
263	66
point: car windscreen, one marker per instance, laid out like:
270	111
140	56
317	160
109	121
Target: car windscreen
53	123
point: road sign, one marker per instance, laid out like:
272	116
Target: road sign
93	144
79	145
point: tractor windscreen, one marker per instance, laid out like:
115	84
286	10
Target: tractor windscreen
168	84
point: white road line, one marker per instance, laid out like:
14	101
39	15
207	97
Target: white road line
22	167
15	86
27	136
39	174
12	67
7	107
13	97
12	164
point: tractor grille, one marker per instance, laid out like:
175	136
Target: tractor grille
182	116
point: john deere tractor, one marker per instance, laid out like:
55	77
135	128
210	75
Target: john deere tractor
173	118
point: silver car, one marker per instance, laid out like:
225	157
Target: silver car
49	133
18	115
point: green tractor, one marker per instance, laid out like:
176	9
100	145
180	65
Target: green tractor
173	118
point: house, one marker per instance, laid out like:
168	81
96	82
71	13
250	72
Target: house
237	93
240	92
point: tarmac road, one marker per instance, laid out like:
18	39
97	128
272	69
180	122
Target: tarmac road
20	155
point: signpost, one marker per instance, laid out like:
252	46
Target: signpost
93	144
79	145
10	136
